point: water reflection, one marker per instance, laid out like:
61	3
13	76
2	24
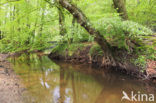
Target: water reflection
49	82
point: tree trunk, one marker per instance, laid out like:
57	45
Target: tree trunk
119	5
62	86
1	35
61	21
73	29
138	1
42	19
83	21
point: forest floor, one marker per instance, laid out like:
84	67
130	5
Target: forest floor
11	89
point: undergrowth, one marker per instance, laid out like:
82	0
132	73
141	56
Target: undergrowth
130	36
126	35
63	47
18	43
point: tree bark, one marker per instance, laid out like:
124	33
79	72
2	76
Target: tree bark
84	22
1	35
119	5
138	1
42	19
61	21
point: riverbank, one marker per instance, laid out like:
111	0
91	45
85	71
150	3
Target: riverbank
91	53
11	89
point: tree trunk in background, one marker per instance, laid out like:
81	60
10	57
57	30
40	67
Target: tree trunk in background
18	21
62	86
138	1
42	20
73	29
27	24
83	21
119	5
61	21
1	35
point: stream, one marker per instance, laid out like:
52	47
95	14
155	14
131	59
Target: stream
48	81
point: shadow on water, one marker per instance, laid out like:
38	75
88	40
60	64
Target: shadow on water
59	82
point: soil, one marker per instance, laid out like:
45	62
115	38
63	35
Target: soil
151	69
11	90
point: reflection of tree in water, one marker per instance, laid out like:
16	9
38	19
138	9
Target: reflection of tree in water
62	86
72	83
64	79
37	78
71	79
112	85
73	88
43	78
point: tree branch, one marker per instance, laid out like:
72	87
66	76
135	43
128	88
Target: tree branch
84	22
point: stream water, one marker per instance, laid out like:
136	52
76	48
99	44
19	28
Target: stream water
47	81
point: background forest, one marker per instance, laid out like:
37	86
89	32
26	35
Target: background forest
28	25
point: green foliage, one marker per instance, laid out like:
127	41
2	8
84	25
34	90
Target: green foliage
31	24
80	35
141	62
120	33
96	49
34	62
143	12
117	32
134	29
144	52
24	41
62	48
24	27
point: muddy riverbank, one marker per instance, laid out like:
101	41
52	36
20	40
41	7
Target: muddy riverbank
11	89
37	74
50	81
90	53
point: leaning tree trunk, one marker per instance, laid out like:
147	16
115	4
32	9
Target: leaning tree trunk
83	21
119	5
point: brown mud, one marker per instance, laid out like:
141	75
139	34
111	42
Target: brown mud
11	89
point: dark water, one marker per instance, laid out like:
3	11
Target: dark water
59	82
